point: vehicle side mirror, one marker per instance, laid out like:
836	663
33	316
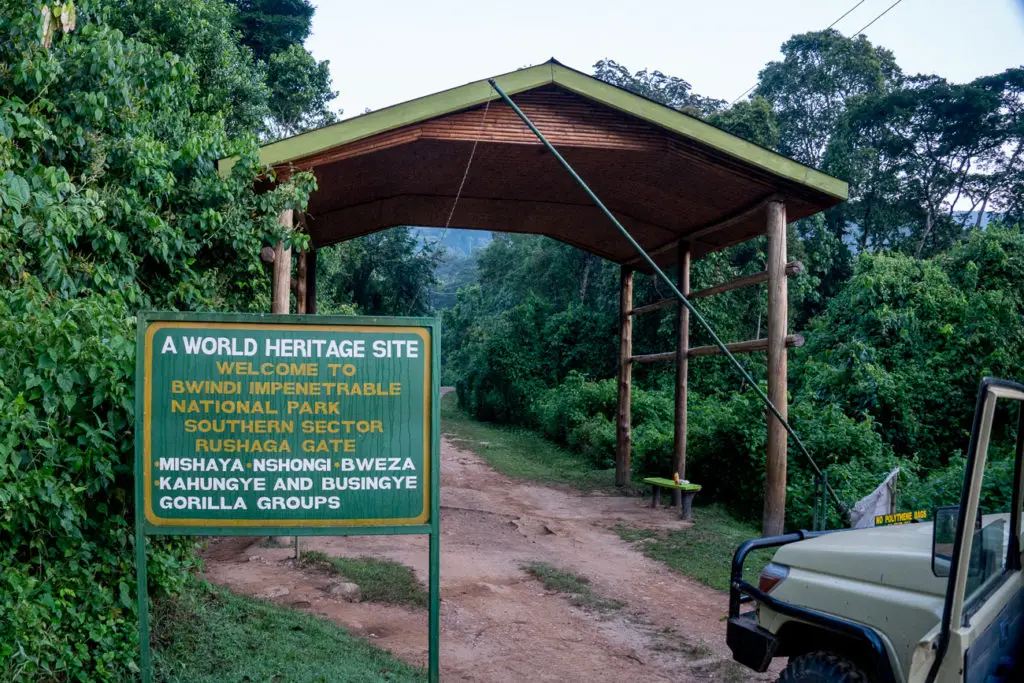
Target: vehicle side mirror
944	537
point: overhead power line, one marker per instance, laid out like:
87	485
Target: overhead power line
845	14
865	26
857	32
743	94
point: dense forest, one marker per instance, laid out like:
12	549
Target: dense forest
112	114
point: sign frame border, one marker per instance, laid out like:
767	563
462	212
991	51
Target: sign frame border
431	527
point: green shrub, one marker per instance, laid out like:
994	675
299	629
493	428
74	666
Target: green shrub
506	370
110	203
944	486
907	341
67	570
562	410
726	448
581	414
726	443
595	438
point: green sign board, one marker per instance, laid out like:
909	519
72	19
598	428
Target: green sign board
279	424
250	424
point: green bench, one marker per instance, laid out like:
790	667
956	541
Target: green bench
686	494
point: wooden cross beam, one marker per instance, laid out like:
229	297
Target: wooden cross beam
792	341
793	268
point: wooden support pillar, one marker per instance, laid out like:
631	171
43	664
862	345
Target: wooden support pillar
300	283
778	315
623	433
682	369
311	282
282	282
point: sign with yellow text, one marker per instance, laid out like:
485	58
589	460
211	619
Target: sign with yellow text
901	518
252	422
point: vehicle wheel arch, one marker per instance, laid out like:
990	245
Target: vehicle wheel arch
798	638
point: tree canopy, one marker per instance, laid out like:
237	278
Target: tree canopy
385	273
810	87
300	86
654	85
270	27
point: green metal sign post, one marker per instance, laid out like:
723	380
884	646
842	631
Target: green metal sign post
286	425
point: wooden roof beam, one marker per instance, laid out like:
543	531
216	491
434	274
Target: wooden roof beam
695	236
474	213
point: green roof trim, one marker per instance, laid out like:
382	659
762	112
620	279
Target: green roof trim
396	116
695	129
549	73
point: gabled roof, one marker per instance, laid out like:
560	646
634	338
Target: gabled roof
669	177
549	73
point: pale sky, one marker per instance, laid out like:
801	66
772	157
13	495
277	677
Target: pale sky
383	53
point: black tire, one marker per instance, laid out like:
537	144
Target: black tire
822	667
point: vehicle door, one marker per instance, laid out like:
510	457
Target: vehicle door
978	545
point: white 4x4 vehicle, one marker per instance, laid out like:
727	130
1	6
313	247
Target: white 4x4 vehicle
936	602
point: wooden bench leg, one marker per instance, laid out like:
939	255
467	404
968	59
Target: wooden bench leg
686	505
655	497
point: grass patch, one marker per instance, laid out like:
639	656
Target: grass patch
520	453
578	588
704	551
209	635
378	580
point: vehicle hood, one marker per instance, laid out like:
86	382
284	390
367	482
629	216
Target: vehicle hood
898	556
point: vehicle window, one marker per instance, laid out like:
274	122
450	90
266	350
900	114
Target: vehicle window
990	546
988	557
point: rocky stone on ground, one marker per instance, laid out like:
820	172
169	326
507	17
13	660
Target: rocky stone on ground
347	591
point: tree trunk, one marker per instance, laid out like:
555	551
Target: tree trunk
311	282
865	230
928	224
588	260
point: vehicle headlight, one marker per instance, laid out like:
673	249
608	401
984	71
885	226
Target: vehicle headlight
772	575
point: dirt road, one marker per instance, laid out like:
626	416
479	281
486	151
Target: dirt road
498	624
